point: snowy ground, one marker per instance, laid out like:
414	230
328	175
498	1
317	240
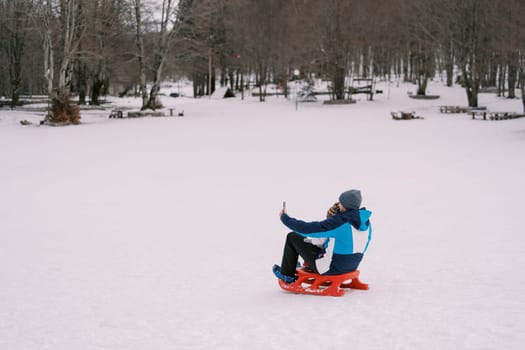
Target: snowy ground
160	233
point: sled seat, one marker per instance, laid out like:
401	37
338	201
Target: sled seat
333	285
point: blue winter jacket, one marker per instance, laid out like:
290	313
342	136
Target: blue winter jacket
350	230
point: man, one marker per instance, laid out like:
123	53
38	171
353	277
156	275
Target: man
330	247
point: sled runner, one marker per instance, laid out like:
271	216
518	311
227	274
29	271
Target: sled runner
312	283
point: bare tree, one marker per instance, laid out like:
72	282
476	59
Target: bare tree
15	25
192	41
521	75
204	45
105	49
471	40
384	33
72	30
422	34
46	14
166	31
264	23
335	32
512	35
141	58
66	17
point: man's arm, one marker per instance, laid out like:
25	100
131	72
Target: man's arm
307	228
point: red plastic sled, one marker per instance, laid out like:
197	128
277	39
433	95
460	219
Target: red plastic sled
312	283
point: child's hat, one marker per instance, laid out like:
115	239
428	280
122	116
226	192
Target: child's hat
351	199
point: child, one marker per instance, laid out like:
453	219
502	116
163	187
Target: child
345	239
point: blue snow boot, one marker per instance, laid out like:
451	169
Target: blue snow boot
277	272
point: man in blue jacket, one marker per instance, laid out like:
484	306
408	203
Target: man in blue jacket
330	247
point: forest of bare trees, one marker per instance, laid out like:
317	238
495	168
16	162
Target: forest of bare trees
90	48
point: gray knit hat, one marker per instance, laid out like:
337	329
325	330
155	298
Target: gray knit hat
351	199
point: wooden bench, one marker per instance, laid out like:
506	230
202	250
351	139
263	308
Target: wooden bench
366	89
502	115
452	109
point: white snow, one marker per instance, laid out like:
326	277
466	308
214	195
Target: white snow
160	233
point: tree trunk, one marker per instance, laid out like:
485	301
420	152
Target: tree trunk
407	75
141	58
99	83
96	91
242	86
199	84
366	63
47	44
422	83
471	87
493	71
260	77
521	77
262	95
502	68
81	79
423	67
231	77
449	64
522	84
15	73
338	82
512	75
155	88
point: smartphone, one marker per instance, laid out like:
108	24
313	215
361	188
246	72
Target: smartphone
284	204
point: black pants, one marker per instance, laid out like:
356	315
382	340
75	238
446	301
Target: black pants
294	247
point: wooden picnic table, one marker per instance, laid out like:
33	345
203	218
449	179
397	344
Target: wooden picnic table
478	111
